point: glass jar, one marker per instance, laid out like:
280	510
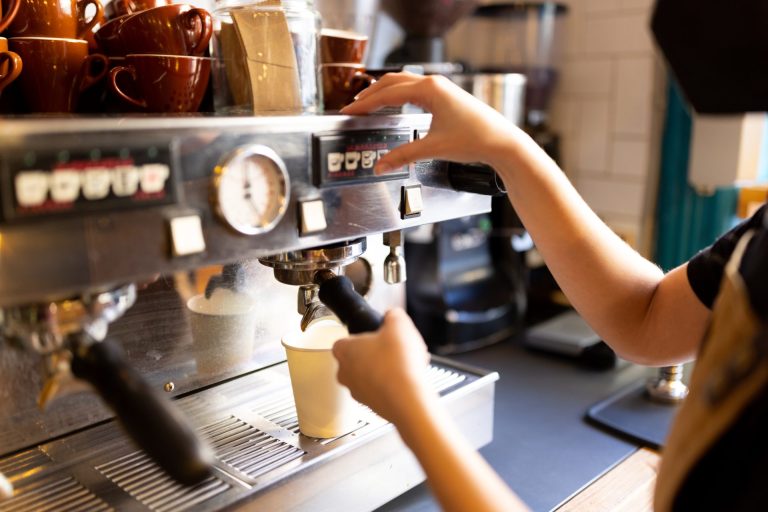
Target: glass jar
266	57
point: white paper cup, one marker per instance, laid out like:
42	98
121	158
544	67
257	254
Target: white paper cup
325	408
223	333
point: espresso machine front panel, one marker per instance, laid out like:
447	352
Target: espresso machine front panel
163	211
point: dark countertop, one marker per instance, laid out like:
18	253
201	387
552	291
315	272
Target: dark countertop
542	446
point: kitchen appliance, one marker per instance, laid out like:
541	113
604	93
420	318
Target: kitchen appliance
517	37
425	24
109	226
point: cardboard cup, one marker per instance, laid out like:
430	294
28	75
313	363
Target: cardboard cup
325	408
223	339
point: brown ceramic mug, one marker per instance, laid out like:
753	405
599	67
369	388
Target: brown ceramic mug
342	82
342	46
10	14
107	37
165	83
63	19
10	65
56	71
177	29
122	7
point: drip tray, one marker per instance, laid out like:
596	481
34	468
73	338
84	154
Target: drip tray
261	458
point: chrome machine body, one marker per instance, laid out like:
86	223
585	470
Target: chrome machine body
109	226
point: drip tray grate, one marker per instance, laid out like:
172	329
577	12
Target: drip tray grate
137	475
246	448
54	494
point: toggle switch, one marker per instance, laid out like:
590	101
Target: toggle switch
411	204
187	235
311	217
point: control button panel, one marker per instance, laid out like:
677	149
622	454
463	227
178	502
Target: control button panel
349	157
411	204
38	184
312	217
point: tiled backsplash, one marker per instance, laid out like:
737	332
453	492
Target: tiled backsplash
609	110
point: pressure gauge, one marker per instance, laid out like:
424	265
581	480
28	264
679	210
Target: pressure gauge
251	189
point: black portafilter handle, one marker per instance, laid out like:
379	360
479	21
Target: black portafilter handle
149	418
338	293
475	178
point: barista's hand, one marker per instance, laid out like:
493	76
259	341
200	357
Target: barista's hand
464	129
386	370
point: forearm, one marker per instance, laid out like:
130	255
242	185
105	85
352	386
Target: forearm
612	286
458	476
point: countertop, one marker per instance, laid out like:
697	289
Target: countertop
542	447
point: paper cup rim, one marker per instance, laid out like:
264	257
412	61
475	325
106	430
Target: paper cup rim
248	311
304	349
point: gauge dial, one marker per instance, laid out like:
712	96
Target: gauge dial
251	189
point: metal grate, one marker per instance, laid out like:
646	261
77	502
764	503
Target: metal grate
54	494
248	449
280	409
29	460
443	378
137	475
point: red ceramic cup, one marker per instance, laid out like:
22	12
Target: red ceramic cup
342	82
167	30
165	83
10	14
54	18
342	46
107	37
56	71
10	65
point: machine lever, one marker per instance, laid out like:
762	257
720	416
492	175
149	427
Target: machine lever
338	293
148	417
475	178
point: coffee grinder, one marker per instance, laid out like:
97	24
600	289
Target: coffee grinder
517	37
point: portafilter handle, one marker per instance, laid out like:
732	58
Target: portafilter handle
338	293
148	417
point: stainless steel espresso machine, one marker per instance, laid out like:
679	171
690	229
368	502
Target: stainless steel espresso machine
116	393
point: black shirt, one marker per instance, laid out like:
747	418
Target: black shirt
705	269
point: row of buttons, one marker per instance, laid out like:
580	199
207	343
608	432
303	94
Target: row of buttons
351	160
66	185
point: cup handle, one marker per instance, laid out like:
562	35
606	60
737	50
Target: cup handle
14	68
207	23
361	81
116	88
89	79
97	18
13	9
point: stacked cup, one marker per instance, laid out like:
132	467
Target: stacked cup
342	69
156	55
47	36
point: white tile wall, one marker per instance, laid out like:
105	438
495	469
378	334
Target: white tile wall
608	109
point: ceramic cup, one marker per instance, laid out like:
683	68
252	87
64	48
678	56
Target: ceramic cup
56	71
10	13
122	7
108	39
324	407
165	83
166	30
54	18
342	46
342	82
10	65
223	333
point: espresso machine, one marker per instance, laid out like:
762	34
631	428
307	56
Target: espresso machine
114	396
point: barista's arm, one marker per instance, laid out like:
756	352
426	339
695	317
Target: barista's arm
644	315
387	371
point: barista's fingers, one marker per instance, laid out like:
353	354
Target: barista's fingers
420	149
388	80
390	96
